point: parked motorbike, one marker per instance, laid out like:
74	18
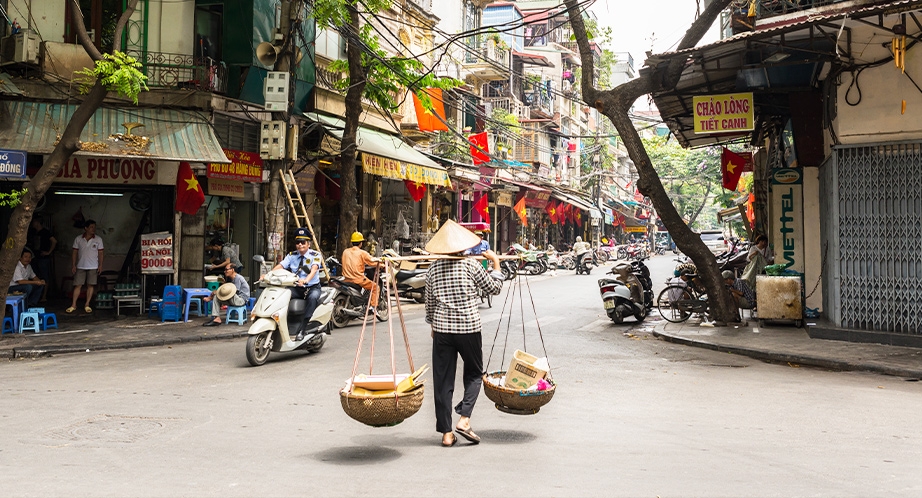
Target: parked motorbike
586	262
567	260
350	301
630	293
277	318
531	262
411	284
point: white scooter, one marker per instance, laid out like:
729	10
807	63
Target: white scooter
277	317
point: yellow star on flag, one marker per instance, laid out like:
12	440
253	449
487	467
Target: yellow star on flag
417	184
730	167
191	183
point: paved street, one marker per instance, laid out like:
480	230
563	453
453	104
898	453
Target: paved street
633	416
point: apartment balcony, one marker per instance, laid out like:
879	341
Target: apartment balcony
488	61
539	104
511	105
164	70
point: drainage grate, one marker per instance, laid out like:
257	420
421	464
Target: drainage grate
109	429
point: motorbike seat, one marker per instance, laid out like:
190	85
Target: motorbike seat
405	274
350	284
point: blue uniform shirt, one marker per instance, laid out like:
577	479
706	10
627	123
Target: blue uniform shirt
294	261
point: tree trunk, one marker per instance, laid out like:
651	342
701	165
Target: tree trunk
704	200
615	104
348	206
18	228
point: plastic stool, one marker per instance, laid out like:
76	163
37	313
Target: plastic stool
198	309
212	286
8	325
33	322
154	307
49	320
251	303
237	314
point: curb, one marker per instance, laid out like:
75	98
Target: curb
776	357
32	352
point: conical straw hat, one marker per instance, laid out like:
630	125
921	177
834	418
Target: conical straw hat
226	291
452	238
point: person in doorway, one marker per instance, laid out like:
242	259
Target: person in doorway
235	292
355	259
305	263
582	250
760	248
26	281
453	287
42	243
87	258
225	255
743	297
758	258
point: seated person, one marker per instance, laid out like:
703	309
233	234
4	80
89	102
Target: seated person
235	292
25	280
739	289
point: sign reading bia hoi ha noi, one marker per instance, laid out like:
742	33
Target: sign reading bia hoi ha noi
723	113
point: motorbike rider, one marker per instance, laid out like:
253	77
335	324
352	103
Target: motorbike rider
581	249
355	259
308	285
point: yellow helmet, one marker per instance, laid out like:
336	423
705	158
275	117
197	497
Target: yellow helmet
357	237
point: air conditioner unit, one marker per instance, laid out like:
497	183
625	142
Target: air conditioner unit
21	47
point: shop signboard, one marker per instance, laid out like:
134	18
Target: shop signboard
536	198
225	188
503	198
635	229
732	112
399	170
157	253
117	171
244	167
12	163
787	210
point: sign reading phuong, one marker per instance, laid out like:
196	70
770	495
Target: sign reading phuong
157	252
244	166
12	163
724	113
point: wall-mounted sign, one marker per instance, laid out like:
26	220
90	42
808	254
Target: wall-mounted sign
400	170
225	188
12	163
117	170
244	166
723	113
788	218
635	229
157	252
503	198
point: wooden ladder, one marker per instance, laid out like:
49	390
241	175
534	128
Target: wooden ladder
299	211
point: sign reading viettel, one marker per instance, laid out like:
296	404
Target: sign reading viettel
12	163
723	113
157	252
787	210
244	166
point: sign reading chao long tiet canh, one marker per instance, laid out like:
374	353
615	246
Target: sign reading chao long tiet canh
723	113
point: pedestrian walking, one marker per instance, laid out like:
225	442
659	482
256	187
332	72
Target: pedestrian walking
453	288
87	257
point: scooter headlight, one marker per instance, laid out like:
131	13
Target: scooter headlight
275	316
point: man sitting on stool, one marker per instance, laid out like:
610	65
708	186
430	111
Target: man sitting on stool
236	292
25	281
739	289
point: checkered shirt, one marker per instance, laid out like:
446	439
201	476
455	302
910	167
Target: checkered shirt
452	295
741	286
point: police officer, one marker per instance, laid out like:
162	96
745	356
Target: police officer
308	287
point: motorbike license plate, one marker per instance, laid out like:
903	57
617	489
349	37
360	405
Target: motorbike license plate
609	304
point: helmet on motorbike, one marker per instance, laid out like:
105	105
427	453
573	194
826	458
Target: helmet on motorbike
579	239
357	237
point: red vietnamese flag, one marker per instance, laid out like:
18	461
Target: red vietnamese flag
579	218
417	190
428	119
482	207
189	194
563	210
731	167
519	209
551	210
479	140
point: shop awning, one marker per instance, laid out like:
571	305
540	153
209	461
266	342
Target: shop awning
388	155
174	135
533	59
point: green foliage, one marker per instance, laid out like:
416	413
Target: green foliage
12	199
118	72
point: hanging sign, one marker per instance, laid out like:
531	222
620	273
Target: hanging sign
244	166
12	163
723	113
117	171
503	198
226	188
787	210
157	253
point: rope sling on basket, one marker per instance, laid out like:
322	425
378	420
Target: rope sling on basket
527	385
383	400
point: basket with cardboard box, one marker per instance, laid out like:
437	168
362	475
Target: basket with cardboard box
522	389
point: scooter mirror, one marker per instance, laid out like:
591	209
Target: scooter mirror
259	258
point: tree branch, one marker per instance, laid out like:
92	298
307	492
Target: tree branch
84	37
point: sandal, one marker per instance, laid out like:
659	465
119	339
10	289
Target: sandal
70	310
468	434
88	309
454	441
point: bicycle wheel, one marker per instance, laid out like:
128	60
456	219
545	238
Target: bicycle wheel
668	303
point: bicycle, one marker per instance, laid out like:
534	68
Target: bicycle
679	301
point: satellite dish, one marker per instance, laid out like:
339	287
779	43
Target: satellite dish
267	53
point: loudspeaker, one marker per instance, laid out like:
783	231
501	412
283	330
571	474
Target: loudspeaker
267	53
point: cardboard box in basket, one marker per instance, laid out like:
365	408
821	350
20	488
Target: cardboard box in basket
522	372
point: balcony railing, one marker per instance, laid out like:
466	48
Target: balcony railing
164	70
488	52
511	105
769	8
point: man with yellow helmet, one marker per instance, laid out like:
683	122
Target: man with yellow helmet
355	259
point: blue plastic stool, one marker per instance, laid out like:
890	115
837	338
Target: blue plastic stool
198	308
154	307
170	311
8	326
49	320
251	303
33	322
237	314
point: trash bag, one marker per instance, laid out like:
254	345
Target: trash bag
403	228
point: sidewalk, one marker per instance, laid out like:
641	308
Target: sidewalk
787	344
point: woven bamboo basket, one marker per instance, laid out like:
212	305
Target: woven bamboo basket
382	411
513	401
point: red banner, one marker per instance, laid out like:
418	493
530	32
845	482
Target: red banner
244	166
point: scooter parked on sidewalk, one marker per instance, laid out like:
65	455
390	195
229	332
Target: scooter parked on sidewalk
630	293
277	318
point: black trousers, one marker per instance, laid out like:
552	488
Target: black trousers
445	351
